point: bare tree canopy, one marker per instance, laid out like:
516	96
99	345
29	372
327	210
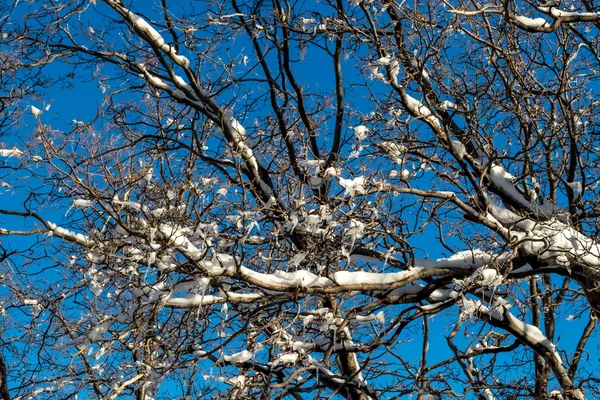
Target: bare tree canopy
352	199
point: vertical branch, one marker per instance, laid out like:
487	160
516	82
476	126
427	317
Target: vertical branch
339	93
542	372
587	331
4	392
424	349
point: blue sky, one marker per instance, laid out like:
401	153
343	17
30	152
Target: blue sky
78	99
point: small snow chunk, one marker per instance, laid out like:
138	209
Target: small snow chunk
331	172
290	358
82	203
360	132
576	186
384	60
459	149
36	111
490	277
487	394
98	332
199	354
240	357
445	105
531	22
297	259
394	149
355	186
11	152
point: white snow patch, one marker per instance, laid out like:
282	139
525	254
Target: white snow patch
360	132
36	111
142	25
459	149
534	334
82	203
557	13
11	152
504	181
420	110
379	317
472	307
394	149
355	186
368	278
406	290
445	105
441	295
98	332
289	358
576	186
240	357
531	22
487	394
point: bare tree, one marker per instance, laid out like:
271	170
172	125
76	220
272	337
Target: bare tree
271	199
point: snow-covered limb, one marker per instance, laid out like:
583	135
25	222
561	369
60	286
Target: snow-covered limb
483	10
149	33
194	300
419	110
537	24
238	138
70	236
551	241
555	242
530	23
569	16
340	280
352	380
182	92
14	152
223	265
530	335
504	182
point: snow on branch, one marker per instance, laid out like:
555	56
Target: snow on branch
530	23
239	142
537	24
419	110
498	315
570	16
504	181
528	334
68	235
150	34
558	243
14	152
224	265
